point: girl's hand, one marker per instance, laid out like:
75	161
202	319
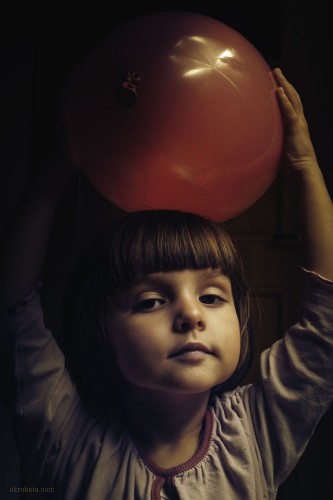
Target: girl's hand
299	152
314	201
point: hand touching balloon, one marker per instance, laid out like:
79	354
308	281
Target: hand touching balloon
299	151
314	200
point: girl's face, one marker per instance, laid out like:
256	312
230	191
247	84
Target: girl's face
176	331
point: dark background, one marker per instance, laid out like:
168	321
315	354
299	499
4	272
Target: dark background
44	42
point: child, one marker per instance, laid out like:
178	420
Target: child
157	342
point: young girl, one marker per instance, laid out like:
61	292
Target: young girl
149	404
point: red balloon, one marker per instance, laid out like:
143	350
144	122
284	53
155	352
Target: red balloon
176	110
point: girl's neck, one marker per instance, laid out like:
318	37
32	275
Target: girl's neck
166	426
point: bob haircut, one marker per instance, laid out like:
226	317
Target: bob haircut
136	244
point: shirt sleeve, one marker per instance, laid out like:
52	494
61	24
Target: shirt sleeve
295	388
47	414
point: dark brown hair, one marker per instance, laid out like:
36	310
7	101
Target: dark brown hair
135	244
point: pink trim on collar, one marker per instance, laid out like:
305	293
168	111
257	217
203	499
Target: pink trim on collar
166	475
189	464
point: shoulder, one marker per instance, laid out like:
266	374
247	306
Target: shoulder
314	283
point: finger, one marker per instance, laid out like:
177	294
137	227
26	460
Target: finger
289	90
287	110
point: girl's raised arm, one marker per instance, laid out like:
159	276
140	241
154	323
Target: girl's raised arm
24	242
301	162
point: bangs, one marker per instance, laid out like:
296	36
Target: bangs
147	242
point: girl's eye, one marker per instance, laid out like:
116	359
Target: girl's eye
148	305
211	299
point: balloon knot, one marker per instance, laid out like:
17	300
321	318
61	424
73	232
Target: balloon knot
126	95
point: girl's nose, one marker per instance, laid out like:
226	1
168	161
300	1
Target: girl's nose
189	317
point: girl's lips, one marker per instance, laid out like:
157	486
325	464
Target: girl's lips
191	350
